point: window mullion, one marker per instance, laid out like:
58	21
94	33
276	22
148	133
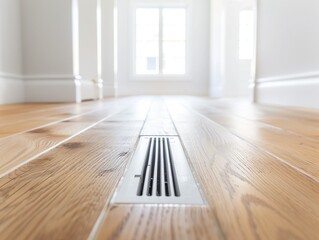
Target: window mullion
160	41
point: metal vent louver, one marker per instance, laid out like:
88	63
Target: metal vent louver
158	174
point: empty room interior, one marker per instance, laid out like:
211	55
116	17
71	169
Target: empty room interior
159	119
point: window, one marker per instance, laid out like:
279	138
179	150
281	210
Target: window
246	34
160	41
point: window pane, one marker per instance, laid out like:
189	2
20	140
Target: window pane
174	40
174	65
147	41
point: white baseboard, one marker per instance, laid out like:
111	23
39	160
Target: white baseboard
47	88
11	88
91	90
300	90
88	91
109	90
52	89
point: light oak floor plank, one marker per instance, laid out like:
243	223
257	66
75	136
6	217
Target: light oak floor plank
158	121
20	149
296	150
144	222
61	194
297	120
254	195
46	114
256	165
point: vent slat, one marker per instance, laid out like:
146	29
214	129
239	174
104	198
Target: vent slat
154	183
163	179
145	167
159	168
169	172
173	170
166	169
152	169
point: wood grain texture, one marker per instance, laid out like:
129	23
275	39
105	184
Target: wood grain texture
26	146
258	173
297	120
61	194
254	195
158	121
157	222
17	119
296	150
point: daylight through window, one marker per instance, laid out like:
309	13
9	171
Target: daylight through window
160	41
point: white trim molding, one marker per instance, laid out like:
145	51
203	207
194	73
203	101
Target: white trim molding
53	88
91	89
11	75
15	88
11	88
284	78
110	90
51	77
254	65
290	90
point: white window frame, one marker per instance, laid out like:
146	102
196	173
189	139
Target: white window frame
160	76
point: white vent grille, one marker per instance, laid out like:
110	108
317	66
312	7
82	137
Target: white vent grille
159	174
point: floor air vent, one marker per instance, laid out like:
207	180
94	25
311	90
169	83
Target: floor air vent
159	174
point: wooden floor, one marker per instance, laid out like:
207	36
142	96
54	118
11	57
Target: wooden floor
257	166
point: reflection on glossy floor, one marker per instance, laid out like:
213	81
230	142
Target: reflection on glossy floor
257	166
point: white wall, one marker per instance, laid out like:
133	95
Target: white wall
47	37
11	82
199	55
288	52
88	39
48	51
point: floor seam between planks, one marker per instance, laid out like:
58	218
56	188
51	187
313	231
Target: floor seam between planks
195	173
268	125
260	148
59	144
99	222
51	124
